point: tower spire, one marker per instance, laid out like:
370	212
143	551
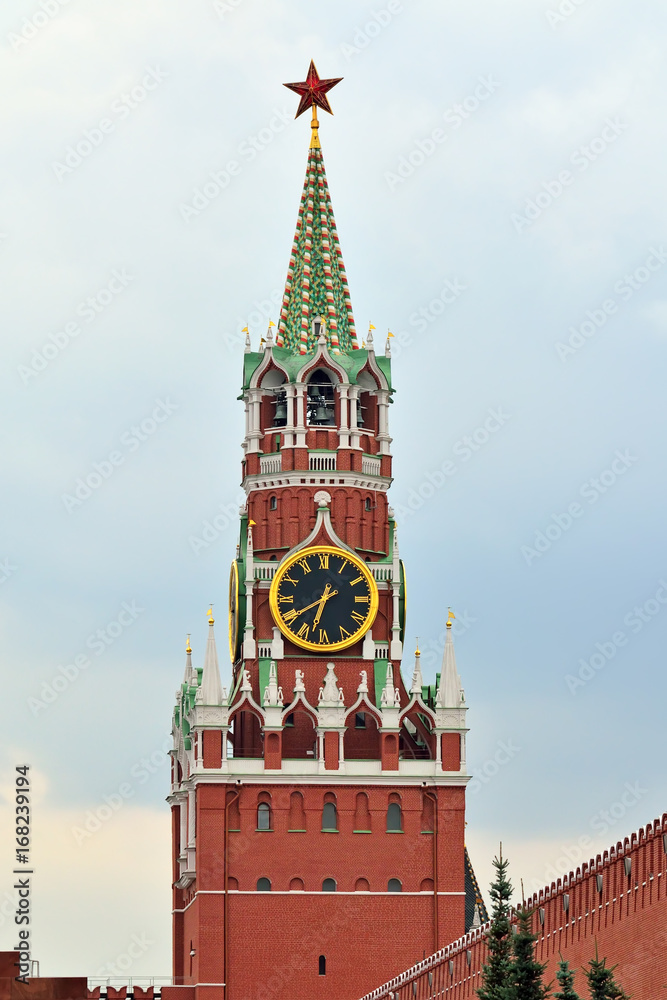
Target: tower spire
317	295
450	691
211	685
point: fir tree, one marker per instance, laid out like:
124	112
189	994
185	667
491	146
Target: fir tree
601	980
525	979
565	978
496	972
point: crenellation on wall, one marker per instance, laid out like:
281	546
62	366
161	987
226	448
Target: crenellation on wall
623	920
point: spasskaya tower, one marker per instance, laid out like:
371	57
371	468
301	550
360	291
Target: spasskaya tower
318	799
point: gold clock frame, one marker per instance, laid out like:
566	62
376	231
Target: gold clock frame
233	631
351	557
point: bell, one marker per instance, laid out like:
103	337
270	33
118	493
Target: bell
360	414
321	413
281	411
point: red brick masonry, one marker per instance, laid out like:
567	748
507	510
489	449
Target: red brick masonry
619	900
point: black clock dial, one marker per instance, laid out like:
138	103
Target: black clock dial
324	598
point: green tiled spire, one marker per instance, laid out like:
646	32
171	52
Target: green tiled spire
316	283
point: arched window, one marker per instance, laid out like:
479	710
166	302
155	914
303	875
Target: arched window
264	816
329	817
394	818
322	963
329	885
394	885
263	885
273	503
369	504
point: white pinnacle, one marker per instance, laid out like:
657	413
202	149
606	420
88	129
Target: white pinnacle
450	693
211	685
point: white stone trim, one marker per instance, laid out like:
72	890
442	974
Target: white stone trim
326	478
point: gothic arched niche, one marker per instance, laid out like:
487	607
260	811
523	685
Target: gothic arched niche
297	813
320	398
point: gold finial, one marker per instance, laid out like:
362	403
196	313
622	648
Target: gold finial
211	619
315	136
188	648
417	652
450	617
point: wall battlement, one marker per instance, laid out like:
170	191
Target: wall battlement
618	899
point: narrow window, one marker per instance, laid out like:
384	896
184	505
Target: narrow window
289	721
394	818
273	503
323	965
263	816
369	505
263	885
329	817
360	720
394	885
329	885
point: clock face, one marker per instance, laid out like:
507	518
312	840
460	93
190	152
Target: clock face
234	611
324	598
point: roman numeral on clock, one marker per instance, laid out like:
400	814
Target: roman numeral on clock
289	616
303	563
357	579
343	633
357	617
323	636
285	598
288	579
324	560
362	600
303	631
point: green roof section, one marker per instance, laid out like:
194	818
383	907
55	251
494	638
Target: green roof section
380	677
293	363
316	284
264	671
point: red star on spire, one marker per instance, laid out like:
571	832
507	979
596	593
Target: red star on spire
313	91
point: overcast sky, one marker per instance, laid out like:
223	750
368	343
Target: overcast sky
497	174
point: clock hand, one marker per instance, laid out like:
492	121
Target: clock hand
325	598
309	606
